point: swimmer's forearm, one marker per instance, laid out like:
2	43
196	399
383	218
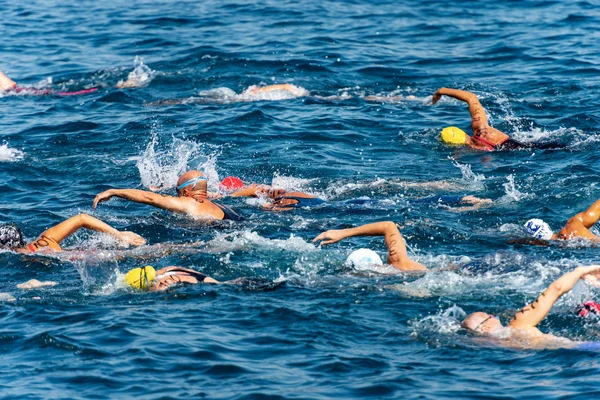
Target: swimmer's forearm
374	229
68	227
457	94
95	224
565	283
249	191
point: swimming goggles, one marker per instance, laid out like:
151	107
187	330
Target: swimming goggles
483	322
192	181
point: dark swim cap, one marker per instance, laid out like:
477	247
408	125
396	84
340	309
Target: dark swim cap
11	236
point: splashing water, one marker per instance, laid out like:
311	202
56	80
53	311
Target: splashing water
512	193
160	169
474	180
8	154
141	75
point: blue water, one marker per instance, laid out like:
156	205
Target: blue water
327	332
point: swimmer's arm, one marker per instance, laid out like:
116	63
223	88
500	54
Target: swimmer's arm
6	83
283	86
590	216
532	314
66	228
250	191
165	202
397	254
478	116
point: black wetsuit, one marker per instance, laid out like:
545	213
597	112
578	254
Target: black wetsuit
228	212
512	144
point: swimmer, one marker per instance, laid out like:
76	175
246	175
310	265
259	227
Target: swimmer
11	236
147	278
484	137
577	226
150	279
465	203
284	91
192	199
522	330
397	254
278	199
8	85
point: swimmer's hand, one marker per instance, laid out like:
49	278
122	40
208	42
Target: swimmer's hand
128	238
101	197
592	277
329	237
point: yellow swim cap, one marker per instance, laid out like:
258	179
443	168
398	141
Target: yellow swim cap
140	278
454	135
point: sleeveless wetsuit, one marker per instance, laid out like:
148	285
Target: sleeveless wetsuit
228	212
511	144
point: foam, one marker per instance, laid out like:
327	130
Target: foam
8	154
227	95
141	75
160	165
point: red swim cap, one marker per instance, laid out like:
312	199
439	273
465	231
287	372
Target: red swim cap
588	307
232	183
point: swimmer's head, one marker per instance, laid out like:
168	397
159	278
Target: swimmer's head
481	322
538	229
453	135
363	257
141	278
231	183
11	236
191	181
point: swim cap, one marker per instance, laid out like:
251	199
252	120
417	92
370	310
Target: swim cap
454	135
362	257
140	278
232	183
538	229
588	307
11	236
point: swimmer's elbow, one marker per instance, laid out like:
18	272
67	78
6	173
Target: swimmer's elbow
557	288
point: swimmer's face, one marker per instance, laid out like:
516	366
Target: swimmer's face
481	322
193	186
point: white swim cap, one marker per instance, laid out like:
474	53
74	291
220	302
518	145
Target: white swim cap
538	229
362	257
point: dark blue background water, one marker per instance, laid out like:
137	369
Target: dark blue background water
329	332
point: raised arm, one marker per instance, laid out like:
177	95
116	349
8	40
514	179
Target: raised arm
397	254
531	315
478	116
165	202
590	216
66	228
6	83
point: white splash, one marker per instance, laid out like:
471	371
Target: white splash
141	75
8	154
512	193
248	240
160	169
255	93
